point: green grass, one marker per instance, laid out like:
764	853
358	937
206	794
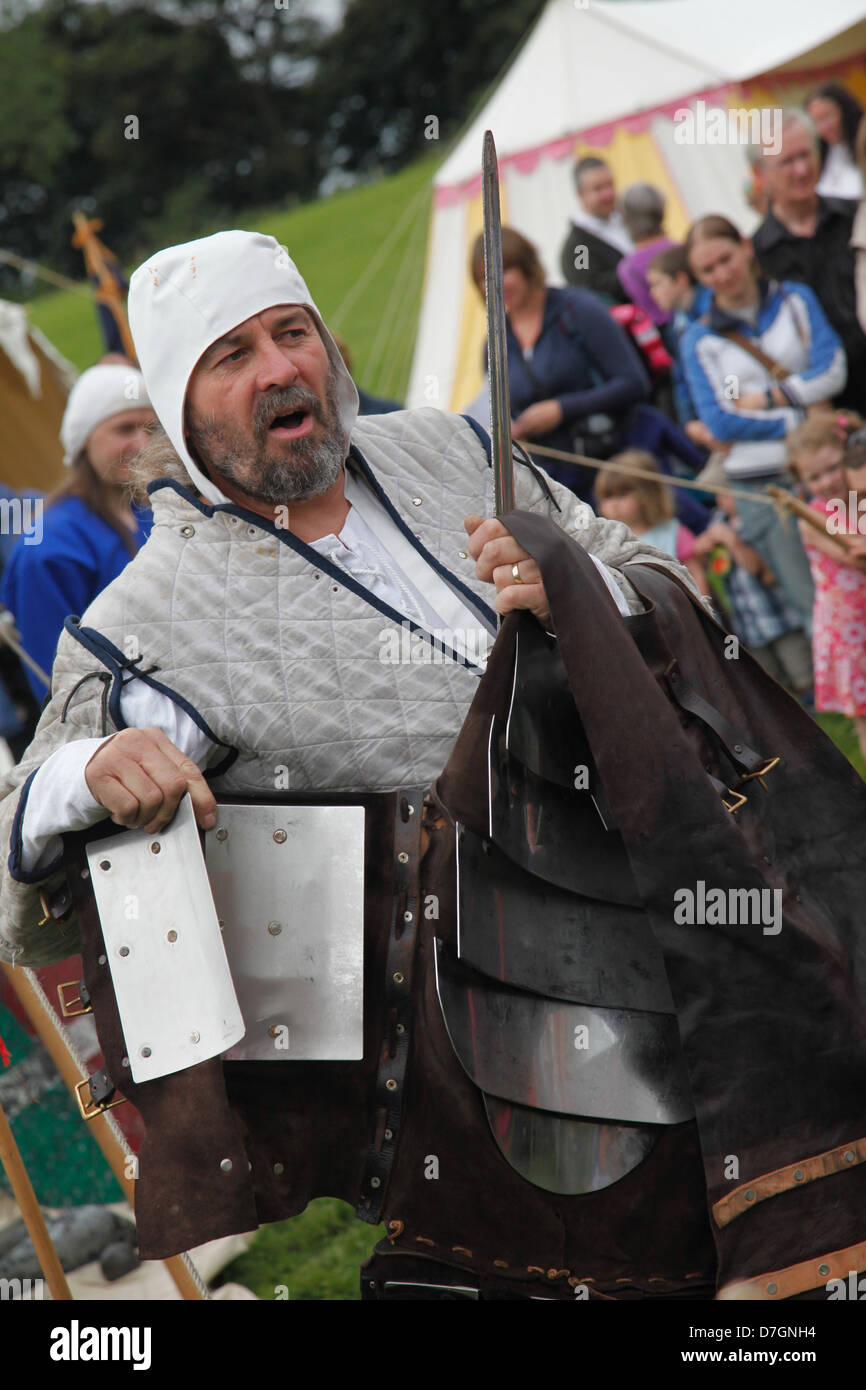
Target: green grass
315	1256
367	288
841	731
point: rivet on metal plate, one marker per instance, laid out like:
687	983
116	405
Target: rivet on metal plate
280	837
171	935
226	1165
398	977
799	1175
848	1155
195	1036
222	834
750	1196
401	1028
407	916
375	1182
101	960
773	1288
144	1051
105	864
824	1269
85	873
389	1134
155	847
391	1084
274	928
124	951
403	857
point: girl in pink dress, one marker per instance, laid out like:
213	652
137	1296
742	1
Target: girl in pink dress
817	452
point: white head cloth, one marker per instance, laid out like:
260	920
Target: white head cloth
184	298
99	393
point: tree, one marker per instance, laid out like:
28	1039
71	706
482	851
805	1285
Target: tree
390	67
148	120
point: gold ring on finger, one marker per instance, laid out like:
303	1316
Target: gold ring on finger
515	574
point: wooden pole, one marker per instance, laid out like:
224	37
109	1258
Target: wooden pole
22	1188
29	994
98	261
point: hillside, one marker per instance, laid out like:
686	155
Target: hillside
362	253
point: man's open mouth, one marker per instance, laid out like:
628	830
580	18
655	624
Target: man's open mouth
293	425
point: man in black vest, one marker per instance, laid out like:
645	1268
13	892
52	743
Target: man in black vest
597	239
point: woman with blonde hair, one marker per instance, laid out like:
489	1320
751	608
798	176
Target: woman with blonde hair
90	528
754	363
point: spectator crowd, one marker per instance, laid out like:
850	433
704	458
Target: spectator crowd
735	364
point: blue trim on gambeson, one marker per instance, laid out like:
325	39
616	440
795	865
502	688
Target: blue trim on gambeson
117	662
16	848
482	435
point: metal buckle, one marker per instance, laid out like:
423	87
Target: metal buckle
89	1111
760	772
738	802
49	916
66	1006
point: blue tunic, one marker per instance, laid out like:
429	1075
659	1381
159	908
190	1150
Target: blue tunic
79	554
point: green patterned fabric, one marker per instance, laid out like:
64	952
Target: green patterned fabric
65	1164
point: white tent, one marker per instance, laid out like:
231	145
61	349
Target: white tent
596	77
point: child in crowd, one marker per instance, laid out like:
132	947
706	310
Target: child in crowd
837	557
647	508
675	290
757	611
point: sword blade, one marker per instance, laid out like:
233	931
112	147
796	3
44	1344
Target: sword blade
497	354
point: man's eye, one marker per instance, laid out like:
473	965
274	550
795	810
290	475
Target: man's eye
294	333
233	356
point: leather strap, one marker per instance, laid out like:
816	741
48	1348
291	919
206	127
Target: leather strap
776	370
397	995
688	699
102	1087
800	1278
783	1179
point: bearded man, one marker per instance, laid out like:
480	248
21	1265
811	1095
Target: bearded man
280	524
570	1056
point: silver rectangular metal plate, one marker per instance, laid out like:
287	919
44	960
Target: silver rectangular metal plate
288	883
171	978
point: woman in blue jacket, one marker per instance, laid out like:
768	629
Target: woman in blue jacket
762	355
90	530
572	371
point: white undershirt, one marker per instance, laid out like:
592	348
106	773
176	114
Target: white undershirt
370	547
840	177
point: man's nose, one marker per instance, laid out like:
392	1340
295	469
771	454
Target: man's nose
274	367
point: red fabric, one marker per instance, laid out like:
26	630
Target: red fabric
645	336
685	544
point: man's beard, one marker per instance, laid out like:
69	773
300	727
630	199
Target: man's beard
308	468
